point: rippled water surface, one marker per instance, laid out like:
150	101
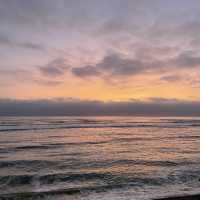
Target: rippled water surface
68	158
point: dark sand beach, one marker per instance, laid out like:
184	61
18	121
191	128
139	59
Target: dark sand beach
24	196
188	197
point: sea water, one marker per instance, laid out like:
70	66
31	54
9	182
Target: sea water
101	158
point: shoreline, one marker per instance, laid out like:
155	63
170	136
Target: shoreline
187	197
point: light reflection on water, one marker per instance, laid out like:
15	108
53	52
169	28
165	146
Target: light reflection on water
99	157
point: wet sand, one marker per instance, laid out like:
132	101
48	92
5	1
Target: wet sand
188	197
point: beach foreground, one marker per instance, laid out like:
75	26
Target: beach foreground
188	197
37	196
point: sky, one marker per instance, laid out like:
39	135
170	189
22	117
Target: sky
106	51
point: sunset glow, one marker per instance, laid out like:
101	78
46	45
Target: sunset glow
88	51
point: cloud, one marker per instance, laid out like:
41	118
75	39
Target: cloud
113	26
26	45
86	71
22	76
31	46
190	27
112	65
57	67
186	60
56	107
119	68
147	37
15	73
118	65
49	12
171	78
48	83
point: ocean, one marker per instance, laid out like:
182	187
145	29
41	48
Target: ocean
98	158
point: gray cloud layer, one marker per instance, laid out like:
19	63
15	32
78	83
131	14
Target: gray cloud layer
154	107
5	41
113	65
118	65
56	67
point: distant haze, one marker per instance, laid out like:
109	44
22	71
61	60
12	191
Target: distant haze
154	107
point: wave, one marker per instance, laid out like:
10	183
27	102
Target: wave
48	146
31	147
68	191
85	127
148	163
76	163
110	182
27	163
189	136
72	123
177	121
107	178
52	178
